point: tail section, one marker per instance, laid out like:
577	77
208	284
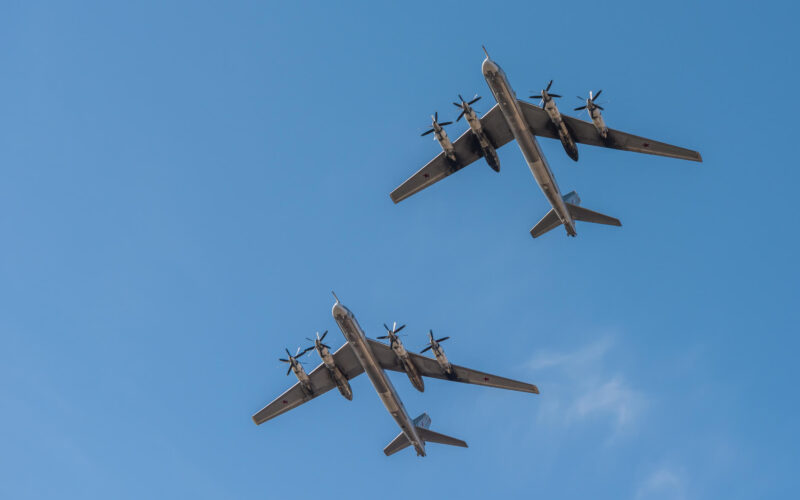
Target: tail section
421	423
399	443
430	436
572	201
586	215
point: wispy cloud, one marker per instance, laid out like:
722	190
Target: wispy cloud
665	482
584	389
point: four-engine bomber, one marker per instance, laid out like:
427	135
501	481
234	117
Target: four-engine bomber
360	355
513	119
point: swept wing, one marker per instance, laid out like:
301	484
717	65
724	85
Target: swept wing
584	132
467	151
321	382
428	367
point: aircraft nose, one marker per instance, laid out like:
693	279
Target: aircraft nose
339	311
489	67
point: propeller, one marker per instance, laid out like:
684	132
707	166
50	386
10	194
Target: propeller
435	123
319	340
590	101
293	359
432	342
464	104
545	92
392	333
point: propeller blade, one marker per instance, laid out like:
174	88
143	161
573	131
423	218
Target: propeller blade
581	98
398	329
444	123
289	370
426	133
442	339
436	116
460	98
582	107
474	100
457	105
597	94
325	346
382	337
287	352
554	95
284	360
536	97
460	115
430	346
323	334
548	86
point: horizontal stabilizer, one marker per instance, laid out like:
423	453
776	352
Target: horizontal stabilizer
548	222
397	444
430	436
582	214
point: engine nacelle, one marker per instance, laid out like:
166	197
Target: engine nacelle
336	374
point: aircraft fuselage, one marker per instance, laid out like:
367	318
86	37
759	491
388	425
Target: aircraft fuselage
383	386
507	100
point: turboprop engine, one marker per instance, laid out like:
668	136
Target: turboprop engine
488	150
402	355
441	137
549	105
296	367
334	371
594	113
444	363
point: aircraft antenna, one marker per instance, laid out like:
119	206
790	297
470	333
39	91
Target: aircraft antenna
334	296
485	52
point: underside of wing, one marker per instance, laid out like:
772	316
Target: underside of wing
586	133
467	150
321	382
429	367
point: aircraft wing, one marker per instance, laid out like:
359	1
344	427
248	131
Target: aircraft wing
467	151
428	367
584	132
321	382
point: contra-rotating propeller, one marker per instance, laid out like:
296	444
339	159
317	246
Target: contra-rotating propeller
432	343
293	359
392	333
464	104
545	92
318	341
436	122
590	101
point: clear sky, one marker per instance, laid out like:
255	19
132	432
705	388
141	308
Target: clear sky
183	184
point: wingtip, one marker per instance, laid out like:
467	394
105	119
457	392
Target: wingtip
535	390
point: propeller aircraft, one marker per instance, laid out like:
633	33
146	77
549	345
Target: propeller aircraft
360	355
513	119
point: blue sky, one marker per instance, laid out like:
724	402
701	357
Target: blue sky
184	183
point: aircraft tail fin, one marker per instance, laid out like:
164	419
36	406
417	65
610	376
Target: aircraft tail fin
548	222
572	201
421	423
399	443
430	436
586	215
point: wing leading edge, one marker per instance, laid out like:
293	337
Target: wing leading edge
585	133
321	382
467	150
428	367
